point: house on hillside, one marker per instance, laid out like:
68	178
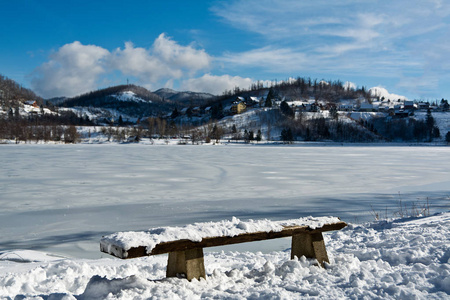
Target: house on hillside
238	107
346	107
196	111
408	105
32	103
423	105
366	107
308	106
402	113
444	106
184	111
253	101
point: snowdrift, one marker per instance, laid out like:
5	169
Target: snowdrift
399	259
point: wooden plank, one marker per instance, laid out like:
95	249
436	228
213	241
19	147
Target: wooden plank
182	245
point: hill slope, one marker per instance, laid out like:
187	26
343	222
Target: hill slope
185	97
129	100
12	91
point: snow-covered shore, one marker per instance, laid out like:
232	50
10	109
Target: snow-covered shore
400	259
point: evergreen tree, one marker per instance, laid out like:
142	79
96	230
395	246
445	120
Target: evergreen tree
286	135
246	136
286	110
436	132
217	111
429	121
251	135
269	98
447	137
175	113
189	112
258	135
234	129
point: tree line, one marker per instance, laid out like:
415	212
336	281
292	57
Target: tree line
44	127
300	87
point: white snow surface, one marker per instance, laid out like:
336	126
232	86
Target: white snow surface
197	231
63	198
397	259
129	96
59	200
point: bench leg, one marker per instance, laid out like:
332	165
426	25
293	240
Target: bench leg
309	245
189	262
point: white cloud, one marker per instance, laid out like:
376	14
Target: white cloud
75	68
165	59
182	57
382	92
215	84
140	62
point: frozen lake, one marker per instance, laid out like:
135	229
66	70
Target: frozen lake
63	198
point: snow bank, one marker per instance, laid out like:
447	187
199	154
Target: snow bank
196	232
401	259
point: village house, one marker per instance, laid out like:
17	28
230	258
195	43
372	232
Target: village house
196	111
238	107
423	105
32	103
253	101
366	107
444	106
346	107
408	105
184	110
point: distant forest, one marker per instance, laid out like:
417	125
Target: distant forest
104	98
305	88
99	97
11	93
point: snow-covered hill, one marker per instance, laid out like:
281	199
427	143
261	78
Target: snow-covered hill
129	96
184	96
400	259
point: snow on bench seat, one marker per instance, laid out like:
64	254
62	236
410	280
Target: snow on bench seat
199	231
185	244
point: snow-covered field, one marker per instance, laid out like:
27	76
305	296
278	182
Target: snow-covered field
405	259
61	199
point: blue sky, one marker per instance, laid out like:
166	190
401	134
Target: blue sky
65	48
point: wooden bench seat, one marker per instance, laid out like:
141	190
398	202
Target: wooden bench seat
186	254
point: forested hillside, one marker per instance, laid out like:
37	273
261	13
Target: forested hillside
11	93
298	109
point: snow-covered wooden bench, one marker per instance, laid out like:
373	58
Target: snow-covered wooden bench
185	244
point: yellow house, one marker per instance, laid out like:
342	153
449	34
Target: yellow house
238	107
